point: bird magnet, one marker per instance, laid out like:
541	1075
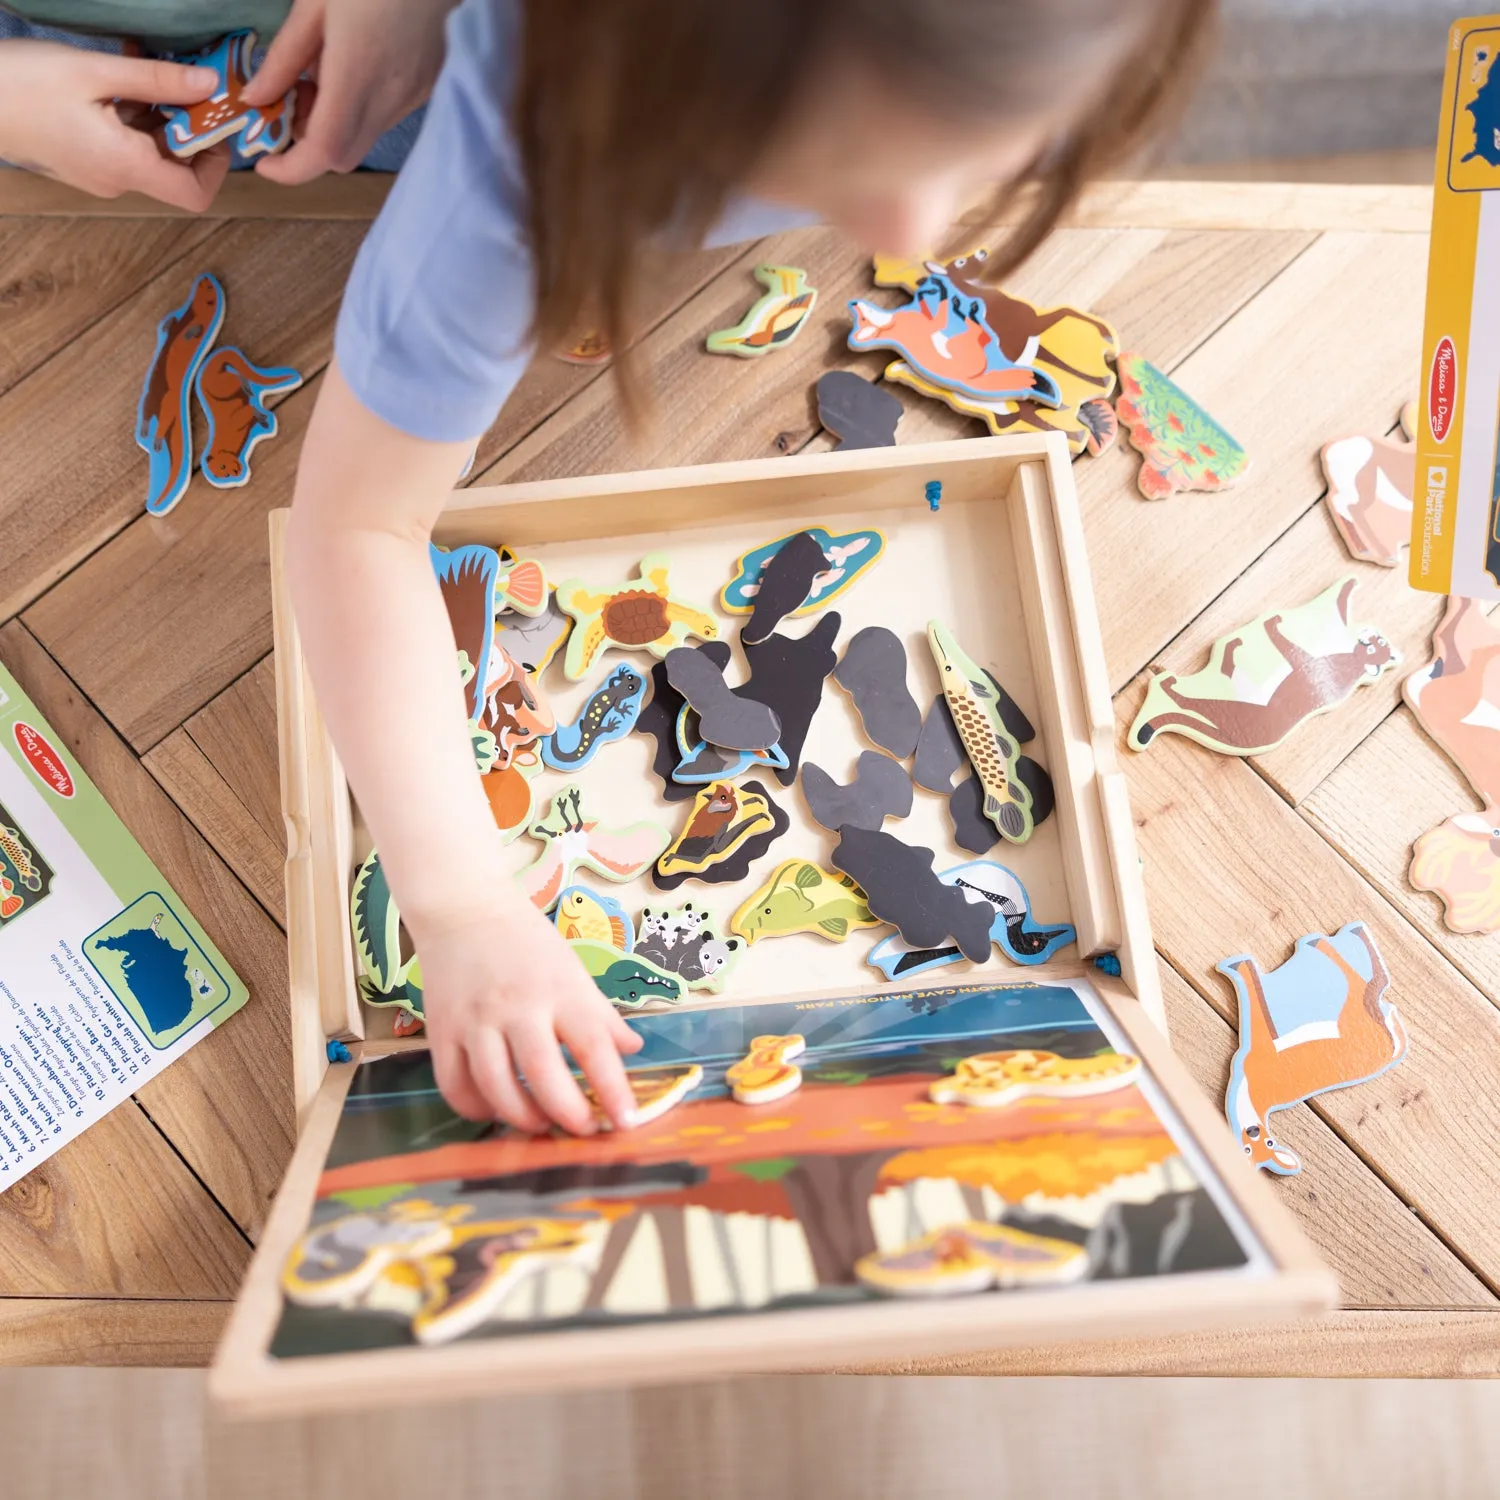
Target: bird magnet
1181	446
1267	677
164	417
571	841
233	394
609	714
801	896
639	615
728	828
847	558
774	320
191	128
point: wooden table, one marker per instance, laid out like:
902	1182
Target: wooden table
1293	313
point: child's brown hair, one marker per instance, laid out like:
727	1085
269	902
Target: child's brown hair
639	119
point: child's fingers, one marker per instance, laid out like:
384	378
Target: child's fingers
595	1050
539	1057
495	1078
296	45
149	80
451	1068
146	170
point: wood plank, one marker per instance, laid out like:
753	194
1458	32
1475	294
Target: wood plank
1394	788
164	618
1402	1345
1230	868
226	1105
145	1333
357	196
1344	1208
62	275
1293	367
74	475
116	1213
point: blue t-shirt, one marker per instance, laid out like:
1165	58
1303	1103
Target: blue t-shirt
432	333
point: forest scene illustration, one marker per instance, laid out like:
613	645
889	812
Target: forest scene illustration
939	1142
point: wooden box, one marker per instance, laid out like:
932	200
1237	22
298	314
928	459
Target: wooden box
985	536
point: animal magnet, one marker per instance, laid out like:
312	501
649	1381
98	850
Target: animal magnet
640	615
391	972
725	718
699	762
336	1264
628	979
766	1072
873	673
972	1257
232	393
991	1080
191	128
802	897
787	675
728	828
521	585
774	320
571	841
511	793
467	577
1371	481
848	557
609	715
661	717
681	941
858	412
989	725
1321	1021
1262	681
533	640
589	348
515	710
1013	930
656	1090
881	789
1101	424
164	418
1456	699
585	916
785	582
901	888
1182	447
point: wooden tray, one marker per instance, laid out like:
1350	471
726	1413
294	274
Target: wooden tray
1002	562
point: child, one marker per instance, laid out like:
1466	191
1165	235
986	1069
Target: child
67	97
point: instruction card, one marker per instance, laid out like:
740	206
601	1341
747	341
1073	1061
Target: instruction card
105	978
1455	544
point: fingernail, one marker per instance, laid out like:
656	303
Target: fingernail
203	76
630	1119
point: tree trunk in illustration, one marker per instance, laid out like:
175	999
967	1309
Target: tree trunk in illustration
674	1255
621	1232
831	1197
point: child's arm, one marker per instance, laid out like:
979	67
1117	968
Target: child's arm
58	116
500	987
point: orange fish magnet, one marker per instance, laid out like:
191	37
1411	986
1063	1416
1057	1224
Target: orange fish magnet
232	393
1321	1021
191	128
164	418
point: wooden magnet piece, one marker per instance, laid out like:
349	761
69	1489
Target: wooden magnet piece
728	828
660	718
589	348
522	585
848	556
700	762
1102	425
785	583
191	128
873	673
533	640
656	1091
774	319
390	971
881	789
639	615
681	940
586	916
1456	699
1267	677
629	979
336	1263
787	675
992	1080
858	412
608	715
572	841
1012	929
164	417
766	1072
232	393
466	579
1371	481
972	1257
940	752
515	710
803	897
511	793
1321	1021
989	725
724	718
902	889
1182	447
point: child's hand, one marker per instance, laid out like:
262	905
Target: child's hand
500	995
58	116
